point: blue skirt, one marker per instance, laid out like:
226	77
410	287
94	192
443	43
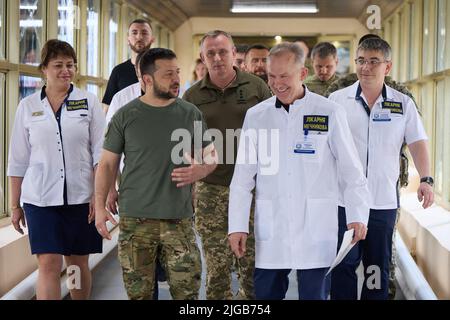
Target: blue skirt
62	230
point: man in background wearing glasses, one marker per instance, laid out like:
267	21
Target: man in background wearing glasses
380	119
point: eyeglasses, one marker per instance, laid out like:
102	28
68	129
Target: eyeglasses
371	62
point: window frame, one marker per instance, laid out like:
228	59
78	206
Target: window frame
43	32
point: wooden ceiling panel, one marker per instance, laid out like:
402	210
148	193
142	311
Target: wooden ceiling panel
173	13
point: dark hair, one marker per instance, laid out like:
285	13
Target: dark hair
368	36
241	48
376	44
324	49
257	46
54	48
140	21
148	59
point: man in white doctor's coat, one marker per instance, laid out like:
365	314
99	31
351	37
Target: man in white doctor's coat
293	147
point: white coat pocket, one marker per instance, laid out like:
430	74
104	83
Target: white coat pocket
263	220
322	219
33	184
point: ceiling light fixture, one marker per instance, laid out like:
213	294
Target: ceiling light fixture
274	8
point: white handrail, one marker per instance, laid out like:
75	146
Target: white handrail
25	290
410	279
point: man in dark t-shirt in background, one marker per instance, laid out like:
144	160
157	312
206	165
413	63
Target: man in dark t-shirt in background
140	38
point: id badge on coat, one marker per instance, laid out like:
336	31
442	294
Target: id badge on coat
382	116
305	146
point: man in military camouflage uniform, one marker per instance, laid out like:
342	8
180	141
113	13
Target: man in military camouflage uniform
324	61
403	178
224	96
155	196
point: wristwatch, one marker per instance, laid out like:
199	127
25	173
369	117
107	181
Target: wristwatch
428	180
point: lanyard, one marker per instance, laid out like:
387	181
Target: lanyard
364	104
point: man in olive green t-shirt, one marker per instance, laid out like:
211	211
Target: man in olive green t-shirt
224	96
155	197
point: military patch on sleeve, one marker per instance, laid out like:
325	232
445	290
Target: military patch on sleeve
315	123
394	107
73	105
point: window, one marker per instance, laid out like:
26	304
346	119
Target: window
441	147
412	41
113	35
28	85
447	36
2	29
441	31
395	44
93	32
3	149
387	31
429	45
31	31
93	88
68	20
426	107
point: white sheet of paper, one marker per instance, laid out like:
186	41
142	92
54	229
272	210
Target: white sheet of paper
345	248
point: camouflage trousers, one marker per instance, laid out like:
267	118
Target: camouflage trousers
211	223
142	240
392	287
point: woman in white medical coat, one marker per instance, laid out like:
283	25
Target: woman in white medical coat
55	146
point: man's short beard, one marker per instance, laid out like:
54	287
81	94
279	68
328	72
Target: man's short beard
160	94
135	50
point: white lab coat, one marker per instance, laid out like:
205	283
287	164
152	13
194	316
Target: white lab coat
379	142
121	98
44	160
296	219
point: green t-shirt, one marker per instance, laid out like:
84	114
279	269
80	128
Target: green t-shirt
148	136
226	110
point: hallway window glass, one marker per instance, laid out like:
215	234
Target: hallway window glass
93	88
429	37
2	149
93	33
68	20
412	41
447	36
440	140
113	35
31	31
28	85
441	32
2	29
